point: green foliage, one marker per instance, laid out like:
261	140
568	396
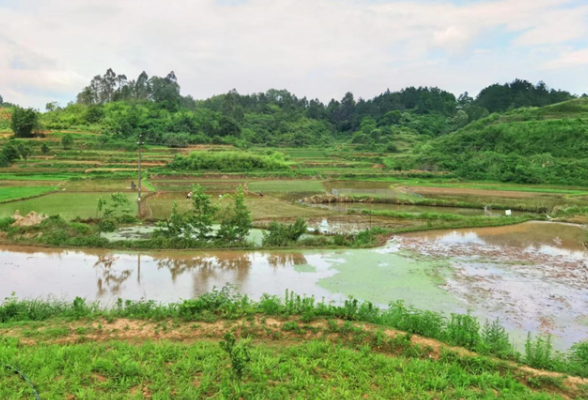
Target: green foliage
107	225
539	353
523	146
67	141
226	304
5	223
117	203
463	330
56	231
281	235
236	222
113	210
579	354
24	122
239	353
228	161
309	369
201	217
45	148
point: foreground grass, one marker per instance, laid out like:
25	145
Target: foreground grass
314	369
12	193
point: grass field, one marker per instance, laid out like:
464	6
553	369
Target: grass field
11	193
192	370
69	205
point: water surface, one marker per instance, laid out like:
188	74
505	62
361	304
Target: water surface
533	276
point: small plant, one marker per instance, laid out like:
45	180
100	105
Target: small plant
539	353
67	141
45	148
239	353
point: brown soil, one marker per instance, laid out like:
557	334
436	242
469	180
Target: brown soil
476	192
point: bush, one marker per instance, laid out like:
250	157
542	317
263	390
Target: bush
67	141
5	223
280	235
107	225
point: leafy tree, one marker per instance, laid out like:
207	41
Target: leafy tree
24	122
52	106
1	100
67	141
236	222
202	215
9	154
24	151
45	148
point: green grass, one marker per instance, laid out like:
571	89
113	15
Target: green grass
15	192
52	176
310	370
68	205
287	186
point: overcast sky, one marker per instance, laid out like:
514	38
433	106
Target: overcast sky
50	49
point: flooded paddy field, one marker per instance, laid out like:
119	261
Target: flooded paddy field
413	209
534	276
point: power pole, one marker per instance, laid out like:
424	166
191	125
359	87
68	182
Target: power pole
139	144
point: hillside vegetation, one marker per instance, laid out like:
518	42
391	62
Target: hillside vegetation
424	128
528	145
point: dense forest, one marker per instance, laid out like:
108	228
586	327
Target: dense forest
508	132
154	106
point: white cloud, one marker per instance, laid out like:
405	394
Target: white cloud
569	59
317	48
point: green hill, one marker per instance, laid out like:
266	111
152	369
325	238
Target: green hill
527	145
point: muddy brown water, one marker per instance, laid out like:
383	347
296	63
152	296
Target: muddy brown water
533	276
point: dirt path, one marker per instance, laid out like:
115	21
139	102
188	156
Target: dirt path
267	331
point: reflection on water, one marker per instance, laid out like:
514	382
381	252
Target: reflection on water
532	276
159	276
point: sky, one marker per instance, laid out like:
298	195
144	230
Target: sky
51	49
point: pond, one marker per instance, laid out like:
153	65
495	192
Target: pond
534	276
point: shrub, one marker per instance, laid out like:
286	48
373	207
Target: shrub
280	235
107	225
5	223
67	141
238	352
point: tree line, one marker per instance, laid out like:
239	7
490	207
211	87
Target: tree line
154	106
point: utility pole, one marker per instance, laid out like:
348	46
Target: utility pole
139	144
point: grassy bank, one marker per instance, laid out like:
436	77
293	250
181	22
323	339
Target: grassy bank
274	369
59	326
